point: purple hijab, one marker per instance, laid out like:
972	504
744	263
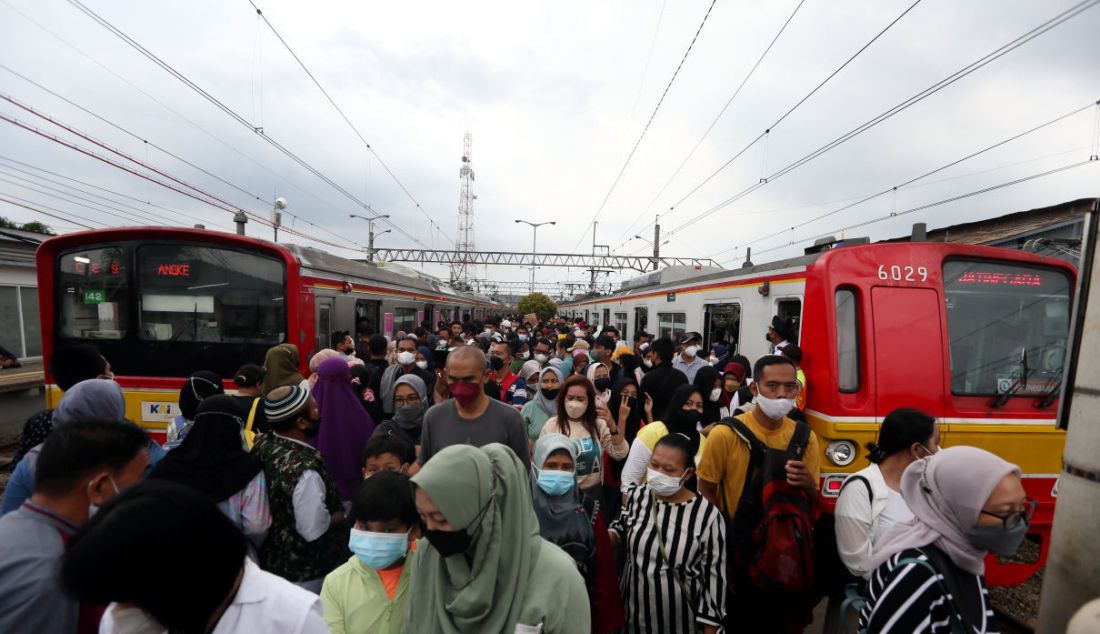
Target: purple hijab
345	426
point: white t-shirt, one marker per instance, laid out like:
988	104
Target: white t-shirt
895	512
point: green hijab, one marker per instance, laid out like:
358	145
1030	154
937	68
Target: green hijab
488	593
281	366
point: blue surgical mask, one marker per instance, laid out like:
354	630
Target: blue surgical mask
378	550
555	483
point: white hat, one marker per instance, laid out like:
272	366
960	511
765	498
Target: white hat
504	323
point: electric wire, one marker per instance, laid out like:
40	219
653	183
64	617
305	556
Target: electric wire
66	218
59	194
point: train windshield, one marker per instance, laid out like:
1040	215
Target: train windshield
1008	326
164	309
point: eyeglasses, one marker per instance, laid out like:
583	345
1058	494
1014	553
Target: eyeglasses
399	401
1013	520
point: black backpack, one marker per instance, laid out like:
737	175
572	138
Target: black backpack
831	576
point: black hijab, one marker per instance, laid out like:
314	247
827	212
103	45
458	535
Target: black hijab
212	459
198	386
633	420
677	420
704	382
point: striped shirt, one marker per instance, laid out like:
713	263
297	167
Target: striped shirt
907	599
693	534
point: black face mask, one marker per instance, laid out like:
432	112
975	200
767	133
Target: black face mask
684	420
314	429
448	543
602	383
496	363
550	394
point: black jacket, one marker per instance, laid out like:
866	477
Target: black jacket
659	383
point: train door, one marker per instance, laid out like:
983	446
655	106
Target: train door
606	318
908	345
429	315
641	319
722	324
324	322
368	311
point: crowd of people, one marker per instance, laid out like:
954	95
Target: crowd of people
491	477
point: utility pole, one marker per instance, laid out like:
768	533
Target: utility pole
534	242
370	232
592	284
656	242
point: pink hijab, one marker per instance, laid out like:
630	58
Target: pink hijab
945	492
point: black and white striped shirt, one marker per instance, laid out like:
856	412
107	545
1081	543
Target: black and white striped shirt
910	599
694	541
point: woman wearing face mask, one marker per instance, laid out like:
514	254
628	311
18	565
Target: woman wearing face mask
347	426
685	411
601	380
966	503
538	410
424	358
410	401
574	521
870	501
484	567
675	577
576	419
709	382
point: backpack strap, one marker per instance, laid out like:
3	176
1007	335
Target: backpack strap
799	440
757	450
866	483
249	435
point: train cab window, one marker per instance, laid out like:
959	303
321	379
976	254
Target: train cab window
671	325
1008	325
404	320
847	340
790	310
94	293
205	294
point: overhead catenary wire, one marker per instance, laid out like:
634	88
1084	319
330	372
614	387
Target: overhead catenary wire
7	198
233	114
706	133
974	66
944	201
58	194
922	176
370	148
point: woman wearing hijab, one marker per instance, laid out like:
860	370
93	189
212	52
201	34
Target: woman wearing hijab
281	364
212	461
600	376
410	401
347	428
574	521
198	386
709	382
685	410
99	399
967	503
538	410
424	358
317	359
484	567
733	379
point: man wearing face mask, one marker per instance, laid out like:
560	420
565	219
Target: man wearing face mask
543	351
308	538
602	350
470	417
724	470
688	361
80	466
513	389
406	364
779	334
342	342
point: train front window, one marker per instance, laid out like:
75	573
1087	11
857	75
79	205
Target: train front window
1008	326
94	293
191	293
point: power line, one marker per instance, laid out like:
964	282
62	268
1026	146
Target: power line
650	121
69	217
900	107
54	192
351	125
229	111
648	58
721	112
937	170
945	201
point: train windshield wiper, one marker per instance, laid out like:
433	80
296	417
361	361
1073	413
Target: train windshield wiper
1021	380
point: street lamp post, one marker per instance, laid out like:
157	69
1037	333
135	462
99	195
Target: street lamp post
370	232
534	238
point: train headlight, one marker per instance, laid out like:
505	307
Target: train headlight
841	452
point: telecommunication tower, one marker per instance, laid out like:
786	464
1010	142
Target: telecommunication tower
462	272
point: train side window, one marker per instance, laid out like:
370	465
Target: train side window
324	322
672	325
847	340
404	320
620	323
791	312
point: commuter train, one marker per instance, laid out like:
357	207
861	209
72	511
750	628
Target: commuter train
161	303
975	336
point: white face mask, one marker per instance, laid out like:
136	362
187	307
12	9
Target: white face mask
662	484
94	508
406	358
524	355
541	358
712	359
715	394
575	409
774	408
423	365
691	351
648	363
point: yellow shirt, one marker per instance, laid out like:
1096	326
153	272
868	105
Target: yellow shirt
726	459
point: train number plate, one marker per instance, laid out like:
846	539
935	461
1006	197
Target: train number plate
902	273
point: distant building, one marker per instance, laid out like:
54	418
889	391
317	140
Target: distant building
19	325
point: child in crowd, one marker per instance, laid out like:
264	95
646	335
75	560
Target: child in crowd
387	452
369	593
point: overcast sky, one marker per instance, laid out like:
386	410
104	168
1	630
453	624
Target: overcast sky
555	95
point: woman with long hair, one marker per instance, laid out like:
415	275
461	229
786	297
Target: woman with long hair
576	419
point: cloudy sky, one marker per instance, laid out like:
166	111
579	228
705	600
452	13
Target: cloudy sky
555	96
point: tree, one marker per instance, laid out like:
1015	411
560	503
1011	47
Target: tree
7	224
537	303
37	227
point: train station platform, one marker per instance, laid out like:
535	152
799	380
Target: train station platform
27	377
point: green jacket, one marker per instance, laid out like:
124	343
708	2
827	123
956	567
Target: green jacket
355	601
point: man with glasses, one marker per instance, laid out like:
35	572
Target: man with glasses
470	417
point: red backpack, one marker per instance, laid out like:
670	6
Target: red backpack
772	534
